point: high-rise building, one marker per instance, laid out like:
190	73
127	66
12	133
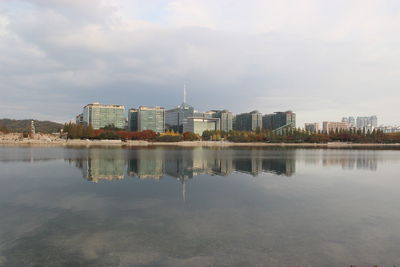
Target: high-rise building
312	127
352	122
151	118
225	119
279	119
367	122
133	119
328	126
99	115
249	121
176	118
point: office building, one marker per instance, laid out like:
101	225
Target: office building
277	120
312	127
248	121
328	127
199	125
99	115
147	118
151	118
176	118
133	119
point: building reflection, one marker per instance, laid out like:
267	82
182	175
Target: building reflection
184	164
360	161
99	164
102	164
181	164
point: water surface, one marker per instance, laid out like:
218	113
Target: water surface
199	207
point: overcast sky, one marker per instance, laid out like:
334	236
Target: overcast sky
322	59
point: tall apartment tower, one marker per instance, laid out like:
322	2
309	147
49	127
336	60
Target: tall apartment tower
279	119
99	115
225	118
249	121
367	122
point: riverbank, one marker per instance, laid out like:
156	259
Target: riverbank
134	143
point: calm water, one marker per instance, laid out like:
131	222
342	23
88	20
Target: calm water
199	207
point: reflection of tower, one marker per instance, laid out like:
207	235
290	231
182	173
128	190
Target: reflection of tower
184	190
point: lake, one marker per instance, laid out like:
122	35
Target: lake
199	207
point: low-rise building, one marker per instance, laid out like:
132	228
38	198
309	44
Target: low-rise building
200	124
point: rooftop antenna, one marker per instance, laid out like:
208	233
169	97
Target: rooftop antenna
184	92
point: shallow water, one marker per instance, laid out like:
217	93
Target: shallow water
199	207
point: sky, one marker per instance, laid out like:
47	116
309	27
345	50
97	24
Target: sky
321	59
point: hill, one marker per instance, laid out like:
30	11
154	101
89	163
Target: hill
25	126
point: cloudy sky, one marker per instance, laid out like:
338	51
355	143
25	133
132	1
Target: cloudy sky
321	59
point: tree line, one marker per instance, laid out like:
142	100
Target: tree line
78	131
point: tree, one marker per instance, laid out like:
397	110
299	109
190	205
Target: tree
111	127
4	129
189	136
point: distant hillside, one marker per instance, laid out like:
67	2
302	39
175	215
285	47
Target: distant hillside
25	126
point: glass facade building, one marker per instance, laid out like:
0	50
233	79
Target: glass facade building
147	118
99	115
248	121
199	125
151	118
133	119
176	118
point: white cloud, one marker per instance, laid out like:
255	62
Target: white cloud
308	56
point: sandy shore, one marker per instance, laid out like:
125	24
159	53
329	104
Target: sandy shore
130	143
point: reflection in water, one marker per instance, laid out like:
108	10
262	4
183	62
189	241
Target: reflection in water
103	165
109	164
359	163
182	164
324	216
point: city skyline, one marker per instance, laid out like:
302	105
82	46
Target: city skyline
326	61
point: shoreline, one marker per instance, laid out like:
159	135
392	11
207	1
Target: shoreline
131	143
